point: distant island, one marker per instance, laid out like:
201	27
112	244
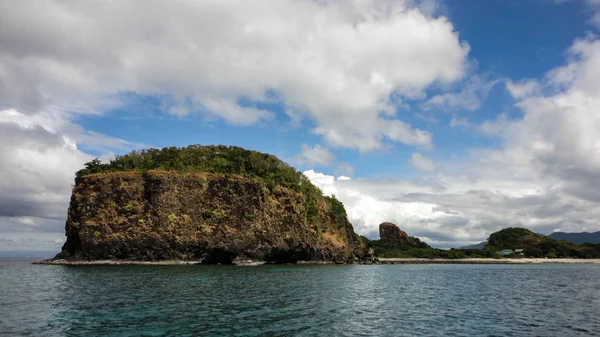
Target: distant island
228	205
508	242
577	238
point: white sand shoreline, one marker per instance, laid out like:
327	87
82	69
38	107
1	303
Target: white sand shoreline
487	261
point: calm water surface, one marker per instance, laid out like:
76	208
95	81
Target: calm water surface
393	300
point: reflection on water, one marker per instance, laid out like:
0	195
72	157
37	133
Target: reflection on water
392	300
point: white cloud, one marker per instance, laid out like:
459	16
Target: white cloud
39	159
346	169
545	176
316	155
422	163
322	181
427	118
460	122
594	5
334	63
523	89
469	97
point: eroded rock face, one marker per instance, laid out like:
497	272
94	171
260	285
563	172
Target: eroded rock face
212	218
391	234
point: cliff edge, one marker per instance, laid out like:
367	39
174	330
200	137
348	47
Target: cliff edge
148	214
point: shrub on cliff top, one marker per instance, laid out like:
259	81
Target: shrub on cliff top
263	167
216	159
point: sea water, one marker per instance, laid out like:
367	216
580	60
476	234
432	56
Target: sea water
287	300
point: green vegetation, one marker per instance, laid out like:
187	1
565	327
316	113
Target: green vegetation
536	245
423	250
97	234
513	238
248	216
533	245
216	159
220	214
337	210
129	208
254	165
172	218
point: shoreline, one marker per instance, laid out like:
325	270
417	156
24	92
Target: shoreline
379	261
487	261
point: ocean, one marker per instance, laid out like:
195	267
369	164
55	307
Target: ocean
288	300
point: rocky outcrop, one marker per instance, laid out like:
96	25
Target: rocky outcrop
204	217
390	234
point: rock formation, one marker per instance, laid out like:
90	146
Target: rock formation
205	217
391	234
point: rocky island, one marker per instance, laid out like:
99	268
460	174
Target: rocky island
203	204
228	205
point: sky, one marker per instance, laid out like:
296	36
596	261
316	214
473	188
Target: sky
451	118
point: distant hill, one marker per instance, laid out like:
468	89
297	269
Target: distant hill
480	245
577	238
536	245
514	238
395	243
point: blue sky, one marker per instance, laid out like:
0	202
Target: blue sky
505	43
451	118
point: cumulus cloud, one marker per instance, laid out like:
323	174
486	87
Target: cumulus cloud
452	210
544	177
335	63
370	202
523	89
39	159
468	98
422	163
315	155
322	181
594	5
342	66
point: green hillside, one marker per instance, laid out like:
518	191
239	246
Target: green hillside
536	245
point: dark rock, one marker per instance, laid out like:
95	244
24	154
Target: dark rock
204	217
391	234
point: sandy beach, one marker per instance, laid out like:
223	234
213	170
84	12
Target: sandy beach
484	261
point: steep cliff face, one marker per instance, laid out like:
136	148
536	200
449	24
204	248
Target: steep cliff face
213	218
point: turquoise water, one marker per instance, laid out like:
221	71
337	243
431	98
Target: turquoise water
353	300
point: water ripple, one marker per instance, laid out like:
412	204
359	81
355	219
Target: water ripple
400	300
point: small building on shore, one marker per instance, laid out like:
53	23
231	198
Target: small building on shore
506	252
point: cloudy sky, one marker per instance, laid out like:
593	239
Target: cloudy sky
450	118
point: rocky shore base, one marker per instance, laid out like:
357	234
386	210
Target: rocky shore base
379	261
482	261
